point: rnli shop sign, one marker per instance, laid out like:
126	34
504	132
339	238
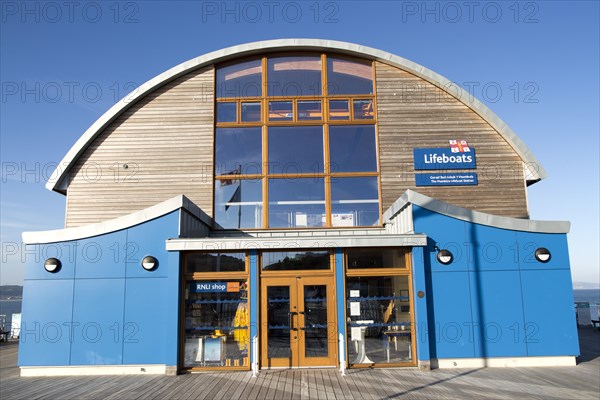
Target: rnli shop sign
217	287
443	159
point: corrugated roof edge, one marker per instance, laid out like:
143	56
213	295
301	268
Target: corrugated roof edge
117	224
535	171
516	224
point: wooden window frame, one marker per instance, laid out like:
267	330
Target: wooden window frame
324	122
210	276
382	272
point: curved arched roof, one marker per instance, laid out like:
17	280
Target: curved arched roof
59	183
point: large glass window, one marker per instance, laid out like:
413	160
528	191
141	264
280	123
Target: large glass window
215	262
359	258
216	323
379	320
294	76
296	260
238	203
296	203
353	148
349	76
295	150
240	80
238	151
291	153
355	201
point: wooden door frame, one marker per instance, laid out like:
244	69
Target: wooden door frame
296	280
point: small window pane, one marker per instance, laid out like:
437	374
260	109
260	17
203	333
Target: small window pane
238	203
238	151
354	201
309	111
296	150
295	260
226	112
339	110
294	76
251	112
376	258
280	111
215	262
353	148
349	77
240	80
296	203
363	109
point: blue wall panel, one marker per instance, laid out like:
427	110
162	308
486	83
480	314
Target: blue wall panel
46	321
98	322
551	329
146	333
556	243
450	315
444	232
497	314
36	255
491	249
111	319
149	239
100	256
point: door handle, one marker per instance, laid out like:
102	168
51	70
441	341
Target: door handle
290	314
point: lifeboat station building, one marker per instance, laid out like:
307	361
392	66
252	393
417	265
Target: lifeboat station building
296	203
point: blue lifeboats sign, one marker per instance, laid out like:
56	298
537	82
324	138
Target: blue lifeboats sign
443	159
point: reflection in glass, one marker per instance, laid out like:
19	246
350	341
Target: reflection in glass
339	110
349	77
379	320
238	151
354	201
353	148
240	80
238	203
216	323
295	150
251	112
215	262
376	258
363	109
281	111
278	309
294	76
315	321
226	112
295	260
309	111
296	203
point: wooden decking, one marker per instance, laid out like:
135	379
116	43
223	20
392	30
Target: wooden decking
580	382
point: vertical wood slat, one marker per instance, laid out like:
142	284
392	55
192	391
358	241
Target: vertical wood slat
413	113
166	141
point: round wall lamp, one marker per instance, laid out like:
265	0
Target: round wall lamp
543	255
443	256
52	265
149	263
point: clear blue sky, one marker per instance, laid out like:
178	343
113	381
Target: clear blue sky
64	64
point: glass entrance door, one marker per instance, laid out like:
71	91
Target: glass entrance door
298	322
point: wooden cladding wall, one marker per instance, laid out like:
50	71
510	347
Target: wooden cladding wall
415	113
166	141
